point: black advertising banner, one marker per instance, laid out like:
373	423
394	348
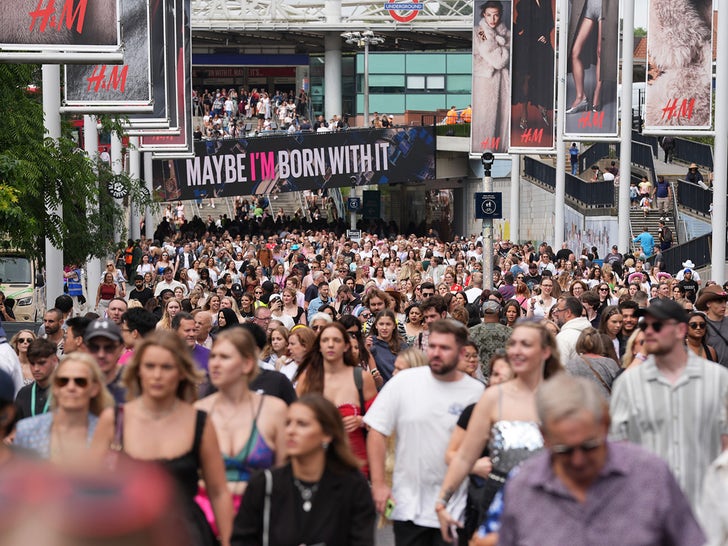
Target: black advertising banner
533	76
265	165
180	143
491	77
680	69
591	83
68	26
162	65
126	87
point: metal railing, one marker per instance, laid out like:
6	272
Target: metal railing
697	250
680	227
690	151
335	194
694	197
545	174
590	194
591	155
645	139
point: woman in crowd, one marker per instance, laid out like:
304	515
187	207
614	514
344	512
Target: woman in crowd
330	369
386	343
696	336
247	309
20	343
469	362
163	263
540	305
511	312
611	324
226	319
212	304
145	267
250	426
320	495
171	308
634	351
523	294
359	349
107	291
589	361
277	347
577	288
275	303
159	424
79	401
505	418
291	307
300	340
414	325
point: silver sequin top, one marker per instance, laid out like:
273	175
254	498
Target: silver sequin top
512	442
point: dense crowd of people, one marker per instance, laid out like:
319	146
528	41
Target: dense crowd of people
312	381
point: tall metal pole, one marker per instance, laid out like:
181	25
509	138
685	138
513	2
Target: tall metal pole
560	186
366	83
515	219
52	116
625	154
135	171
487	160
149	226
720	163
91	146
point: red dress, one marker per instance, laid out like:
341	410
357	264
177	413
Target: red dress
357	439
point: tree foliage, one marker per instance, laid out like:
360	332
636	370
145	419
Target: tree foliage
38	174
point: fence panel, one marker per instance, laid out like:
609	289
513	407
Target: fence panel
690	151
694	197
697	250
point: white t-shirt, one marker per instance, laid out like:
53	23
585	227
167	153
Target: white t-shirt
423	412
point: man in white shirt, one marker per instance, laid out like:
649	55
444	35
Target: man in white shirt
168	282
420	405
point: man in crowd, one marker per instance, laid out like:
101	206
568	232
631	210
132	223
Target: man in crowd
203	322
320	300
34	399
475	289
712	302
421	406
568	314
135	324
53	325
117	307
73	338
490	335
140	292
168	282
9	361
104	342
674	404
184	324
629	310
584	489
433	308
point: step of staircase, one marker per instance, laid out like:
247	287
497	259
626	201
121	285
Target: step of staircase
638	222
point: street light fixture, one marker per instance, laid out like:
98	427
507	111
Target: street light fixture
364	39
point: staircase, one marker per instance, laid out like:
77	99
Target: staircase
639	221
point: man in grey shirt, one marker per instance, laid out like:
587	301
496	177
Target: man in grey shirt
587	490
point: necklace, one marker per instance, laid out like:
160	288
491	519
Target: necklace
307	492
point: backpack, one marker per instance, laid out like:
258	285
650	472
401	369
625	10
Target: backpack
666	235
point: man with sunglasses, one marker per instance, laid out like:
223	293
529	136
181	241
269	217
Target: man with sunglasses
584	489
104	342
674	403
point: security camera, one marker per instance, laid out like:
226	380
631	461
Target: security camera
487	160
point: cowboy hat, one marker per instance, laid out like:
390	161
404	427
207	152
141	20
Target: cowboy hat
688	264
708	294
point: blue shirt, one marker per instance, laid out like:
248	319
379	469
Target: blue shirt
646	241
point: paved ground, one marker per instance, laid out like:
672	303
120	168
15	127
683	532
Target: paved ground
385	537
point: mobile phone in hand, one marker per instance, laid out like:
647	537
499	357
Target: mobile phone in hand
388	508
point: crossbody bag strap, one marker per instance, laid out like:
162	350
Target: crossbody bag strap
599	377
717	330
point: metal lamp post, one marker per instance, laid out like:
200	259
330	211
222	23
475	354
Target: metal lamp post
487	159
364	39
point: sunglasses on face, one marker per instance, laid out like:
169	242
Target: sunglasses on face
25	340
656	326
81	382
697	325
585	447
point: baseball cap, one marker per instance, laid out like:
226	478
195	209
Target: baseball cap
664	310
102	328
491	307
7	387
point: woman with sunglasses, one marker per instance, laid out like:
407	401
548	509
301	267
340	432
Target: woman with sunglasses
696	337
79	400
159	424
331	370
20	342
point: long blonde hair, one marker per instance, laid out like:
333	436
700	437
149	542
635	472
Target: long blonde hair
103	398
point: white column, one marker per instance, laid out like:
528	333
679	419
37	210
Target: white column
116	168
91	146
332	75
149	226
720	162
625	154
560	187
366	84
135	172
52	116
515	218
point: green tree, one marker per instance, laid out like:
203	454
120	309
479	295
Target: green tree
37	173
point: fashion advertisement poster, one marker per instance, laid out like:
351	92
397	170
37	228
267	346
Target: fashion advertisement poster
679	70
300	162
592	69
69	26
126	87
491	77
180	143
533	76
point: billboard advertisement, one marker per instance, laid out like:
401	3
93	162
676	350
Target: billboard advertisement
69	26
679	71
123	88
491	77
310	161
592	71
533	76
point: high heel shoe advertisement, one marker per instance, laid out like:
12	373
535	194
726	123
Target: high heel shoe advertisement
591	79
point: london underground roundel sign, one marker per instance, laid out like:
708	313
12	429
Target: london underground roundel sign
404	12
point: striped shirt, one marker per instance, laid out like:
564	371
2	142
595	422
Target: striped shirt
682	423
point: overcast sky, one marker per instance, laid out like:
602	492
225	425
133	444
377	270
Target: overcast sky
640	14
